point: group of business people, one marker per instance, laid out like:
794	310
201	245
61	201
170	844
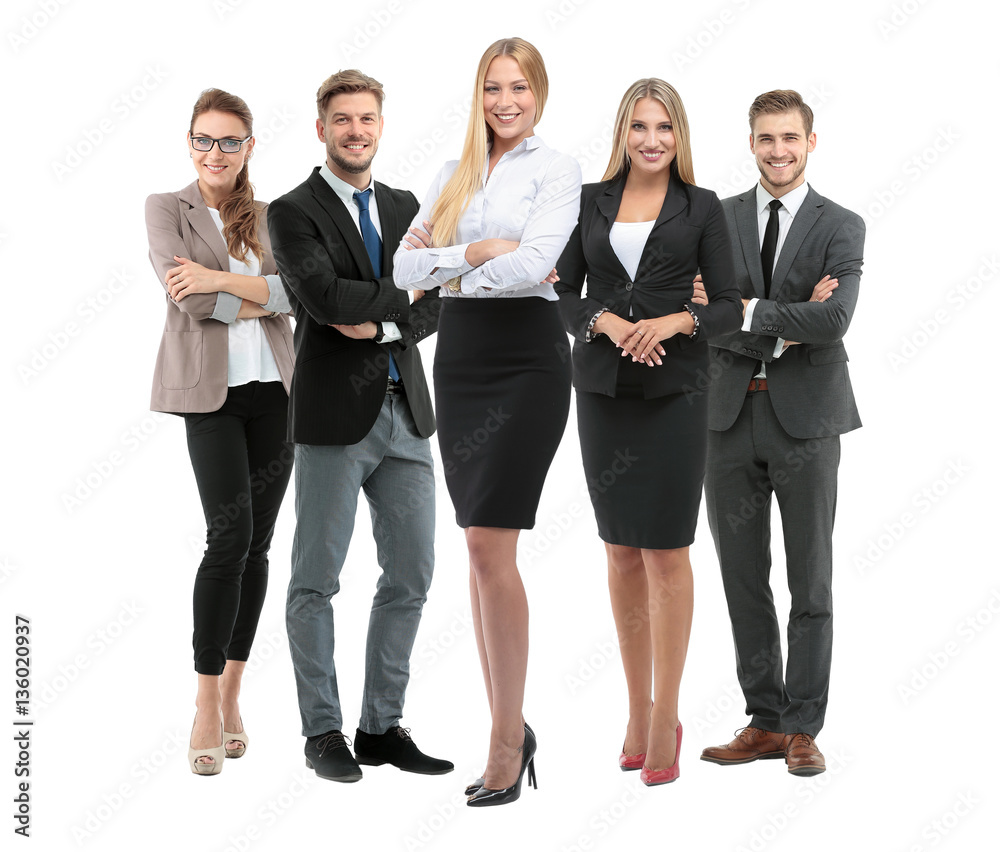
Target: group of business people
661	285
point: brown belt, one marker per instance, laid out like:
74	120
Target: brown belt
757	385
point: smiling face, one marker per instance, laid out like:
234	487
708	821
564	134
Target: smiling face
650	140
508	103
781	147
351	131
217	172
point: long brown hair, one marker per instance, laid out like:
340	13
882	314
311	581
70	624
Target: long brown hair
240	216
658	90
468	176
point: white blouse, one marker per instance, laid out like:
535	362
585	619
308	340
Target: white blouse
250	357
532	197
628	239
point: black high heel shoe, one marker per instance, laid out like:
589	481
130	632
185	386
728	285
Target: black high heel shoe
480	781
485	797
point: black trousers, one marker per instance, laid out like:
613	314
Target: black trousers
242	465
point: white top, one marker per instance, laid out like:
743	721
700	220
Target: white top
345	192
532	196
790	204
628	239
250	357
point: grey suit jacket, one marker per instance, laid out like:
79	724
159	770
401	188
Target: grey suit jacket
809	385
192	366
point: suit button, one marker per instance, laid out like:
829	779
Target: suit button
628	286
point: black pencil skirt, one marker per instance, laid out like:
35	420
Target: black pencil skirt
502	374
644	460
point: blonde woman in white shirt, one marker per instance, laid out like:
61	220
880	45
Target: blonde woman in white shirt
225	364
488	234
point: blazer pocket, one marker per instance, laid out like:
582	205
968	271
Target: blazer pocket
828	354
182	355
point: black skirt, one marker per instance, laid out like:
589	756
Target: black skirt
644	460
502	374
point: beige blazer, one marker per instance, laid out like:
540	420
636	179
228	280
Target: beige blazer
192	367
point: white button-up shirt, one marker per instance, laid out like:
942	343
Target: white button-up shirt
531	197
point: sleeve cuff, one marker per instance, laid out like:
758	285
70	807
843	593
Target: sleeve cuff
779	348
277	298
748	315
390	332
227	307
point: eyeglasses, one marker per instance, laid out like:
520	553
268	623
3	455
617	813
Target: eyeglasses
227	146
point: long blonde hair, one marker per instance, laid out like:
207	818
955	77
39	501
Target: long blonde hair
651	87
240	216
468	177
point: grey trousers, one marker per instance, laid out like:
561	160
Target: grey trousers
747	463
393	466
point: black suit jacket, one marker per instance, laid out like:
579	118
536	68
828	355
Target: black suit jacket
339	383
689	235
809	385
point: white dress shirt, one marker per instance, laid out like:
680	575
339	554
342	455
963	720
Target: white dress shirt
250	356
531	197
345	192
790	204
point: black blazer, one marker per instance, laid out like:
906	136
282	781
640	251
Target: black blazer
339	384
690	235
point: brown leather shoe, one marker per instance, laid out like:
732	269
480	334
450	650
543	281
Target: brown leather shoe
802	756
750	744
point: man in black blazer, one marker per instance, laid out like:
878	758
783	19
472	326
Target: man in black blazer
360	416
779	400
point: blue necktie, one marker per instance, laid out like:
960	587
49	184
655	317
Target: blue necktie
373	245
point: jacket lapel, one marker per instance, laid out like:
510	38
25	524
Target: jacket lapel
608	203
341	219
675	202
746	228
203	225
808	215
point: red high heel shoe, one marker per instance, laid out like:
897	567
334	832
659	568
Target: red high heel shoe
628	762
652	777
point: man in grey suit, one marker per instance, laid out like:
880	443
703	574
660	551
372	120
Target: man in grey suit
779	400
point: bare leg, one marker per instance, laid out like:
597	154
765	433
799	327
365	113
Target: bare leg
206	733
503	610
229	687
630	606
477	626
671	604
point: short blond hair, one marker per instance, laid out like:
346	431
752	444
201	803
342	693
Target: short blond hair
779	101
347	82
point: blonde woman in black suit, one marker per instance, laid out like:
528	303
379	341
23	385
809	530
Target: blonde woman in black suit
638	362
225	364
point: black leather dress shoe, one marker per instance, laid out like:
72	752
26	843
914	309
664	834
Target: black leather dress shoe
330	757
397	748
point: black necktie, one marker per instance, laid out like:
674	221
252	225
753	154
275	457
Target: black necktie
373	245
769	246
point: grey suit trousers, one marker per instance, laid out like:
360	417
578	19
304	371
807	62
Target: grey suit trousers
748	463
393	465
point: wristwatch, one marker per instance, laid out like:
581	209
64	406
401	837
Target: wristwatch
379	332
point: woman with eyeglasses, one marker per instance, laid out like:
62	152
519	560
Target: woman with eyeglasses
225	365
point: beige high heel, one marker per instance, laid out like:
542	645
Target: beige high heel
217	754
240	737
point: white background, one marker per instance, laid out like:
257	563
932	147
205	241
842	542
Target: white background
97	99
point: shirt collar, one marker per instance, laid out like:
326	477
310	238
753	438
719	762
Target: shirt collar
791	201
345	192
